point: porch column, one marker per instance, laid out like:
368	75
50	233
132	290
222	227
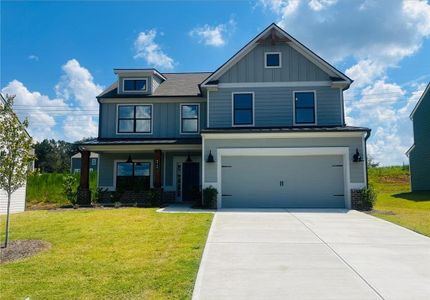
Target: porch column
84	193
157	169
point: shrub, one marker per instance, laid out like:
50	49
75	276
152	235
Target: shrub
69	190
153	197
210	197
368	197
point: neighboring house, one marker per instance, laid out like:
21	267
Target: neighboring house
419	153
17	203
75	162
266	129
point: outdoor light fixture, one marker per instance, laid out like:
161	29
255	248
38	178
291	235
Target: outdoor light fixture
129	160
210	157
189	159
356	157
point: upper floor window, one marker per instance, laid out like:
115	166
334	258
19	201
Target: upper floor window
272	60
243	109
134	118
135	85
189	118
304	108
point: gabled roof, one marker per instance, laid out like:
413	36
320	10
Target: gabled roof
273	30
175	84
419	101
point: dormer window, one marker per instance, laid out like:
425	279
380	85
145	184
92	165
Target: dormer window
272	59
135	84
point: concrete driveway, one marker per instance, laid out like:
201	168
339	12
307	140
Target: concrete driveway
312	254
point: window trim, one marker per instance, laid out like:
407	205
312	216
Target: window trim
273	67
135	91
151	174
232	110
134	105
198	118
315	108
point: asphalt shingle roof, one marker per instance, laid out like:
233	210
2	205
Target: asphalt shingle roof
177	84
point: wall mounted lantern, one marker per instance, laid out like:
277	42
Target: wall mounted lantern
357	157
129	160
210	157
189	159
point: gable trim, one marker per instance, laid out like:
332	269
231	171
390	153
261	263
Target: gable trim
411	116
295	44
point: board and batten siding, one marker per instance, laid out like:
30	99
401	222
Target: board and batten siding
165	120
357	170
17	203
419	157
274	106
295	67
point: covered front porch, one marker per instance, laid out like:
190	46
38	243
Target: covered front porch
128	170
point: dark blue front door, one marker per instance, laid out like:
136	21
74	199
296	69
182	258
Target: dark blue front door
190	180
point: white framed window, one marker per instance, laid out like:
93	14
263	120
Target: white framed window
189	118
304	108
242	104
272	60
135	84
134	118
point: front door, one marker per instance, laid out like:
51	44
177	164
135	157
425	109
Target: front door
190	180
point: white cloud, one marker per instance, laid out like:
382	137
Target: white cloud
78	83
318	5
147	49
213	35
33	105
70	116
33	57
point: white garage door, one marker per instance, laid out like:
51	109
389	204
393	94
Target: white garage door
283	181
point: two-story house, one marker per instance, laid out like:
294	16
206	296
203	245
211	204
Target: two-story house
419	153
266	129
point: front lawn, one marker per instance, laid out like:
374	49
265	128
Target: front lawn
131	253
395	201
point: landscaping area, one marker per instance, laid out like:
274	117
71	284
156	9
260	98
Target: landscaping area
395	202
126	253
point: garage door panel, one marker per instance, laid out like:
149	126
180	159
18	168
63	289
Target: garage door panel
287	181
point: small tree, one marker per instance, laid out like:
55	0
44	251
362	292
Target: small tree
69	189
15	154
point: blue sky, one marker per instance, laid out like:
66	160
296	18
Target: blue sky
56	56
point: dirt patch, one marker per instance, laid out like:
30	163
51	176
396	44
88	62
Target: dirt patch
382	212
21	249
394	179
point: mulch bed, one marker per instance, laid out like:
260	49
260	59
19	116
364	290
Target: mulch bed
21	249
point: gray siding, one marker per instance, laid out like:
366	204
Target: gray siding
295	67
76	164
420	155
357	174
165	120
274	106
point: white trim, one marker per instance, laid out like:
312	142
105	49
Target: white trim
280	135
151	174
150	100
123	90
410	150
411	116
364	158
232	109
207	109
98	172
180	119
342	107
329	69
272	67
344	151
134	133
315	108
203	160
274	84
138	72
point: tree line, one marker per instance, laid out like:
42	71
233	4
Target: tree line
54	156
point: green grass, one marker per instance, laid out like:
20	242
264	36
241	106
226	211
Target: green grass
396	203
47	188
128	253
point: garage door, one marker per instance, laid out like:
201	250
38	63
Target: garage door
282	181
